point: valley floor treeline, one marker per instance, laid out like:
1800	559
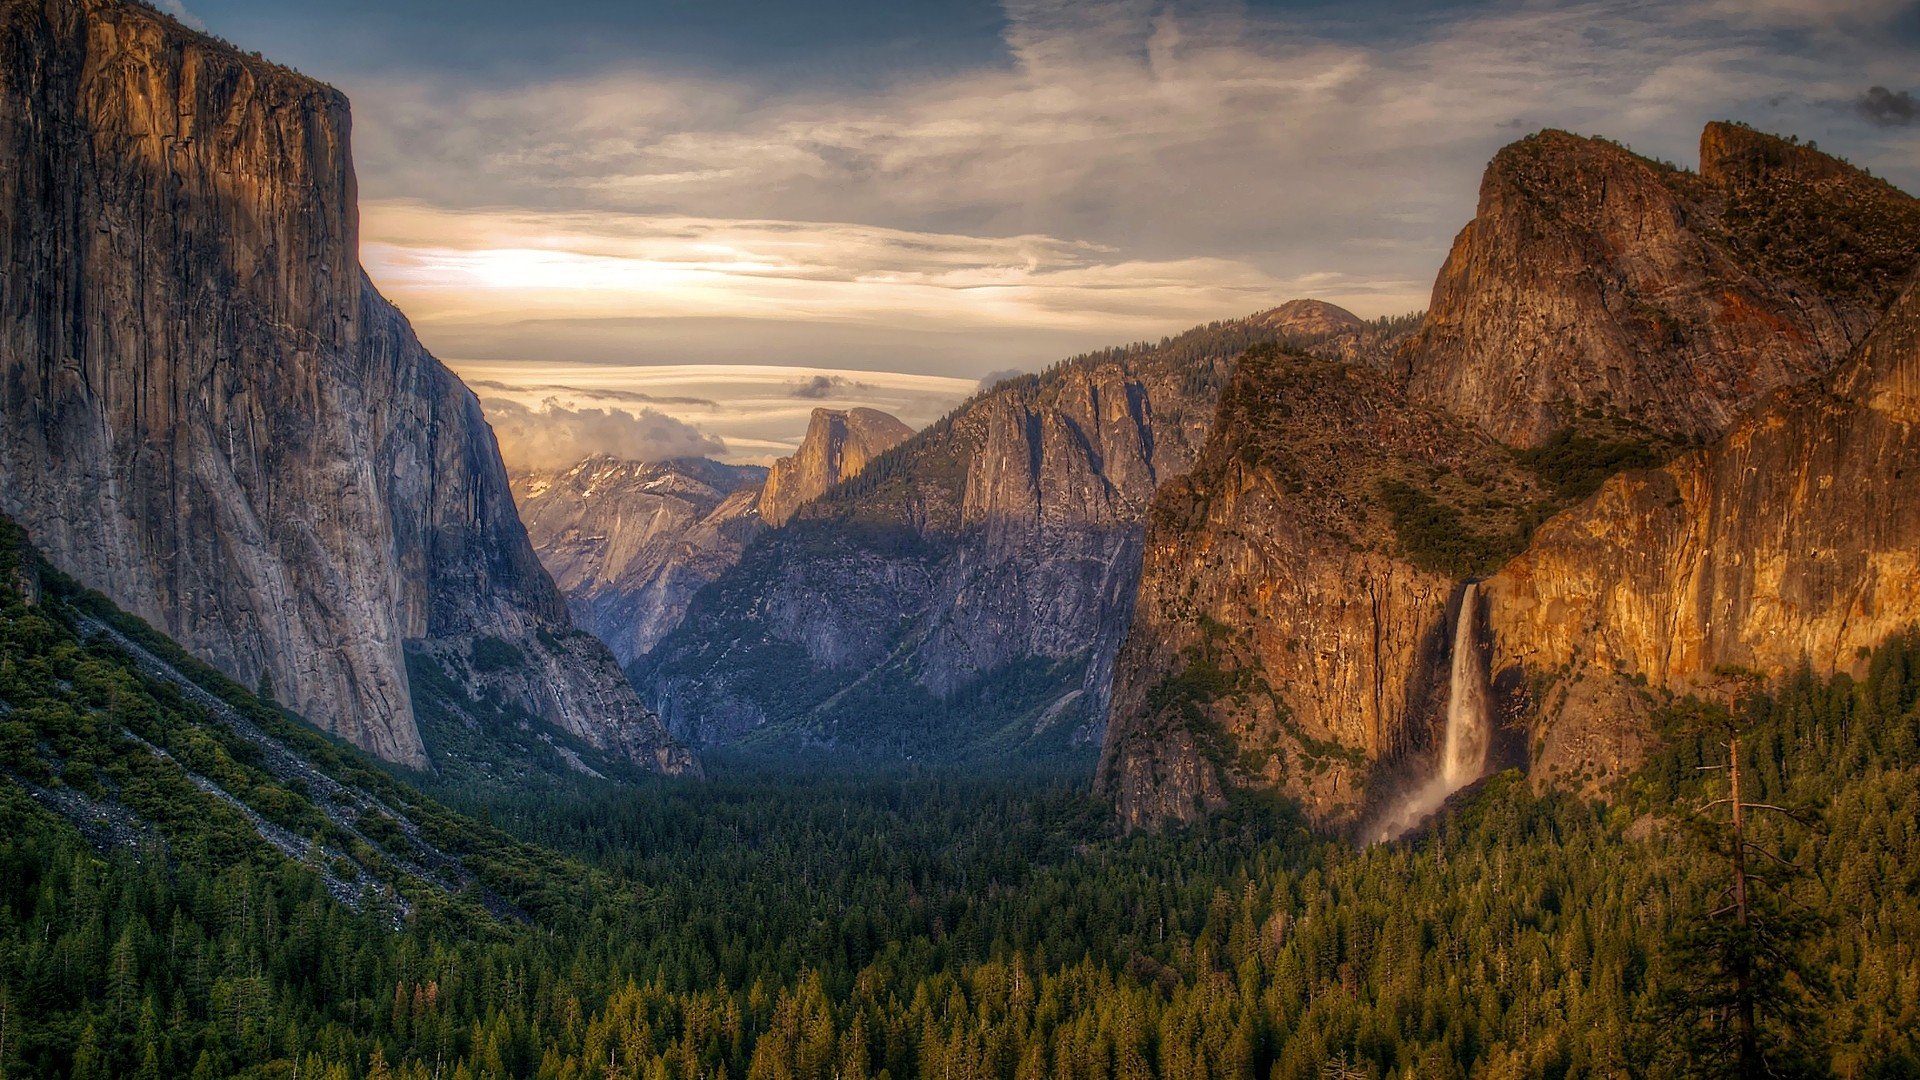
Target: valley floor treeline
766	924
1240	552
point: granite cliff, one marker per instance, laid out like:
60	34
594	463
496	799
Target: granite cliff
966	592
838	444
212	415
1595	284
1290	620
1793	540
1602	313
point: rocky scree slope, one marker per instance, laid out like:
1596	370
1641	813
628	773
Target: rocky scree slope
211	413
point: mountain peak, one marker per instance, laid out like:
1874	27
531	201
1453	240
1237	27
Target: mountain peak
838	444
1309	318
1596	283
1572	175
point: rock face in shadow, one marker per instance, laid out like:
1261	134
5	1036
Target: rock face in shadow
838	444
1298	585
1596	283
1794	539
965	593
214	418
630	542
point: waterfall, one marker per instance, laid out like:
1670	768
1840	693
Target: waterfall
1463	751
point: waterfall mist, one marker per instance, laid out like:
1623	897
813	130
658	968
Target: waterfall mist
1463	752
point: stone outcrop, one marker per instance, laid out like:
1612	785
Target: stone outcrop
1303	321
629	542
1794	539
838	444
1594	283
213	417
1291	622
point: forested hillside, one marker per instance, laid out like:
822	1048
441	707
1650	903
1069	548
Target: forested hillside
893	924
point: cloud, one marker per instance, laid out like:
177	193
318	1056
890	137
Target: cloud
554	436
186	18
1135	167
474	279
630	397
1884	108
1217	122
1851	14
820	387
994	378
756	415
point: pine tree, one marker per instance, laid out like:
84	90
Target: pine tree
1738	996
88	1061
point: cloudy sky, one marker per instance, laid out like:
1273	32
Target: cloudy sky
676	225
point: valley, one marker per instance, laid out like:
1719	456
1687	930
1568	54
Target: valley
1525	685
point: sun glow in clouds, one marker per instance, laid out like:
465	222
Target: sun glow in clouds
1128	171
496	267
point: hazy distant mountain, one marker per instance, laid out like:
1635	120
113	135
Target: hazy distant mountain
629	543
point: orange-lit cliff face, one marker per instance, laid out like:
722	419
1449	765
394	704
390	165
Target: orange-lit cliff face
1794	539
1594	282
1291	629
1283	638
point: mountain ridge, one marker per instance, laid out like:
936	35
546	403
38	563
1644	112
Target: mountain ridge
989	561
